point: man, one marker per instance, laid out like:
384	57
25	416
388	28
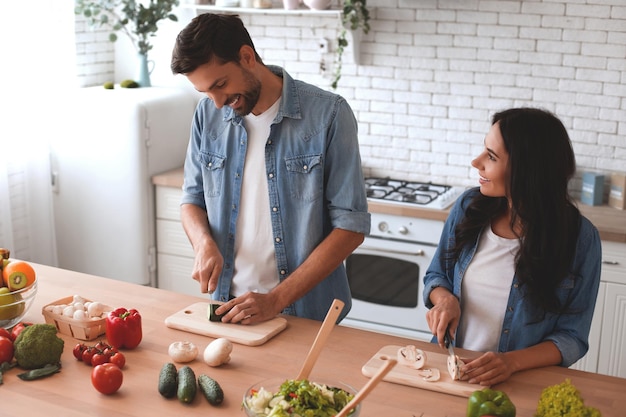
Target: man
273	194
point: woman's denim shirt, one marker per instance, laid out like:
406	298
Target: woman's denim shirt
524	325
314	177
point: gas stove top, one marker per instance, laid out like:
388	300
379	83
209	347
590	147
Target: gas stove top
412	193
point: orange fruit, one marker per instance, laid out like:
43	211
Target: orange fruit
17	275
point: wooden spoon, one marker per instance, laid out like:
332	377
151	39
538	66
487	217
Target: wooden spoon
323	333
367	388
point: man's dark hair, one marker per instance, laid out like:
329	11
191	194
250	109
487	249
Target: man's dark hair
210	37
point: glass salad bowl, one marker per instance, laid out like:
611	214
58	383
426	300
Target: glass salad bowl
281	397
15	304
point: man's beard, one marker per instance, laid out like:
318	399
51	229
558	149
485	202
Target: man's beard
251	95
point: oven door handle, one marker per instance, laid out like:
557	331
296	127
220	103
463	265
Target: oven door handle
419	252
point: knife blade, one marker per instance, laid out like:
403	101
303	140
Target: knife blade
447	342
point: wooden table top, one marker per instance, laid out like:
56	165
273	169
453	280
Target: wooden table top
70	394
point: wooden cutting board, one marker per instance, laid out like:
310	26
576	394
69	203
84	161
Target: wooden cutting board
404	375
194	319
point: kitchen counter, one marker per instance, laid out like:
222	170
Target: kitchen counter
611	222
70	394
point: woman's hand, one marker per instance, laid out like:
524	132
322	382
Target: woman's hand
488	369
444	315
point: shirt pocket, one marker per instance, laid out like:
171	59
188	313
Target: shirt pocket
306	176
212	173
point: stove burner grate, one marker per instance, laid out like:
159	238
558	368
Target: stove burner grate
404	191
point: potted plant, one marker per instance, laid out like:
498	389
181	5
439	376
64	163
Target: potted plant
354	16
134	18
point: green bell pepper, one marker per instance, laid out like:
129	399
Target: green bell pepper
488	402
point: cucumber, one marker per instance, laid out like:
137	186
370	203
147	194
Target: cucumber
211	390
187	386
168	380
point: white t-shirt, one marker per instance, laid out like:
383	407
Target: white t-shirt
255	261
485	292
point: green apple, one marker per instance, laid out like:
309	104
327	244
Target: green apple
9	312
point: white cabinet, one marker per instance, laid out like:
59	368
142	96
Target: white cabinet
608	328
174	253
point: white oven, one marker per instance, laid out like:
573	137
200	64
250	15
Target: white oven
386	272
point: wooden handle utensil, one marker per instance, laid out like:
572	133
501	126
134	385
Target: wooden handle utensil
367	388
323	333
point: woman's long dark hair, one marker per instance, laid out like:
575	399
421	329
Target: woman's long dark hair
541	163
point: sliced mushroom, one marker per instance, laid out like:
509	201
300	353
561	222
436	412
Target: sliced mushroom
430	374
412	357
454	367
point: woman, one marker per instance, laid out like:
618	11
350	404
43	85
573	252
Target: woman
517	270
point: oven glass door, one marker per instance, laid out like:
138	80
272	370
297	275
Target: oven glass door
386	283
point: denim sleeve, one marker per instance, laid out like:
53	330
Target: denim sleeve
192	182
345	188
438	273
571	334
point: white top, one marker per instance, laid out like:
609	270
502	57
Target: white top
485	291
255	261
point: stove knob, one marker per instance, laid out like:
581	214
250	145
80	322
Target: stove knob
403	230
383	226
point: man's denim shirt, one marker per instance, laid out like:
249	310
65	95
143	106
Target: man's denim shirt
314	175
524	325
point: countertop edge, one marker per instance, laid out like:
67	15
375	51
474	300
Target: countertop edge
610	222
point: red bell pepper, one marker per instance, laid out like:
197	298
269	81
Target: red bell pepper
123	328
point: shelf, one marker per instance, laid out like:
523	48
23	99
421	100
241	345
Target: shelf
303	11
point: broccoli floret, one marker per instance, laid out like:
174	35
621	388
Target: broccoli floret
563	400
38	345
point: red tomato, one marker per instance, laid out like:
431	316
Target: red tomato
78	351
107	378
99	358
88	354
17	329
5	333
118	359
6	349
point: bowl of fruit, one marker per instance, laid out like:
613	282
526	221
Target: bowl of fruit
17	291
291	397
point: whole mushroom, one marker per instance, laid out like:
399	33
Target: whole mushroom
218	352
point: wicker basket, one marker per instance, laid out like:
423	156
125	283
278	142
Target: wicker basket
79	329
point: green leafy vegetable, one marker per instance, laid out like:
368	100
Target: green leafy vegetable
299	398
39	373
563	400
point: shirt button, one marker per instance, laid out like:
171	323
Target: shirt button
515	285
210	164
506	331
283	272
237	175
277	240
305	167
510	308
271	175
234	207
274	209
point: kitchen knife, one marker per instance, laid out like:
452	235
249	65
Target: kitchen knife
447	342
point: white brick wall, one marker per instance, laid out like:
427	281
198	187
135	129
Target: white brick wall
433	71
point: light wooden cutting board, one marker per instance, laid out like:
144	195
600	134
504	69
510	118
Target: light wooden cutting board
194	319
404	375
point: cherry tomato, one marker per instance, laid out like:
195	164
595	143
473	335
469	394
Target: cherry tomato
88	354
118	359
107	378
17	329
100	345
5	333
78	351
99	358
6	349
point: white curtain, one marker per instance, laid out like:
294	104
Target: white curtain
37	69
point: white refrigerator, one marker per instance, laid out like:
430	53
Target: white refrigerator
102	165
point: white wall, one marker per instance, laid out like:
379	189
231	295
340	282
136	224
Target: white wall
433	71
